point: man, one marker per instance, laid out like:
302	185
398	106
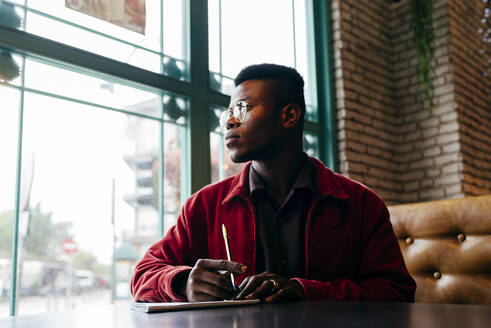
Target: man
296	229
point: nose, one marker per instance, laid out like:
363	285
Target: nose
231	123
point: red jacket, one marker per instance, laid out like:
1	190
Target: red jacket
351	252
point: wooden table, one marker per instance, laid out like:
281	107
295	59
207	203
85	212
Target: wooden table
300	314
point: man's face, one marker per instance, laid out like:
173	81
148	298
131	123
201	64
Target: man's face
259	133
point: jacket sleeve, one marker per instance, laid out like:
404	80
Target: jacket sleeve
154	274
382	274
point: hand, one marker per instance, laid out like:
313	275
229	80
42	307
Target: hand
205	283
270	287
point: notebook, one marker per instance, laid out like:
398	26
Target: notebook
175	306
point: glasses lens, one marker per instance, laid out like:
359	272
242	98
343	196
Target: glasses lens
240	110
224	116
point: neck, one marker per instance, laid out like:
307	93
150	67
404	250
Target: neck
280	171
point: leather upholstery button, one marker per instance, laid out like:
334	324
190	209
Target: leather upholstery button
437	275
461	237
409	240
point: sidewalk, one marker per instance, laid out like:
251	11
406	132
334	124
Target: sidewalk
37	304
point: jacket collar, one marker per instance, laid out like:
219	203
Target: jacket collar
240	185
326	180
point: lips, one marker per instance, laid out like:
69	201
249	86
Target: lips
230	135
230	139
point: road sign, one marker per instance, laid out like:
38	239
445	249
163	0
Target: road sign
69	246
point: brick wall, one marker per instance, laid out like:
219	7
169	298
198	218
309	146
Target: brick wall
429	153
367	119
470	57
389	139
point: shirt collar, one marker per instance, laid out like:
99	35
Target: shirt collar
305	178
326	181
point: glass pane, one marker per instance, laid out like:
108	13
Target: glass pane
175	39
9	114
12	16
269	39
78	153
90	89
78	29
305	59
221	83
175	140
175	108
98	44
281	34
174	28
221	164
143	160
214	33
150	39
10	67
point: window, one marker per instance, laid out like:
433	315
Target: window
221	164
100	118
103	158
163	47
90	159
254	32
9	114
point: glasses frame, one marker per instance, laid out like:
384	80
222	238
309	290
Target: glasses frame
239	112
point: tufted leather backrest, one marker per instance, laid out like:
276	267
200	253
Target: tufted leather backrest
447	248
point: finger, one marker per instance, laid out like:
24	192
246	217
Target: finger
265	289
212	290
253	283
213	278
281	295
229	266
244	283
241	287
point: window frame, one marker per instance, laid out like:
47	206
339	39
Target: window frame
197	90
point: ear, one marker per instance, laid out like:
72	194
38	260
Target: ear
290	115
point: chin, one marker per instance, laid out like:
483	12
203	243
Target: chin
237	157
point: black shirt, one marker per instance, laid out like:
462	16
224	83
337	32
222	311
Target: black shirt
280	228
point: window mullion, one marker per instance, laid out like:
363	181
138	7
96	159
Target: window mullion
325	88
199	116
15	236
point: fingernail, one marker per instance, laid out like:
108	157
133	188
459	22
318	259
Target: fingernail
243	268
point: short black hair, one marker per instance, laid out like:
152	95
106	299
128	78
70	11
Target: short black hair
269	71
294	91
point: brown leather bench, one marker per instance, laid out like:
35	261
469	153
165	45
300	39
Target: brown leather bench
447	248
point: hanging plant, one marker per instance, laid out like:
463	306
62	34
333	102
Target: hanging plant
484	31
9	69
424	37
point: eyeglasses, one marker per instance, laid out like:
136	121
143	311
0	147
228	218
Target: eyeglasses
238	111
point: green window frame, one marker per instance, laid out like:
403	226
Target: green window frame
197	90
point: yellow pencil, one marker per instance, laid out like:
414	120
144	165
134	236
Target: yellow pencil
225	239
